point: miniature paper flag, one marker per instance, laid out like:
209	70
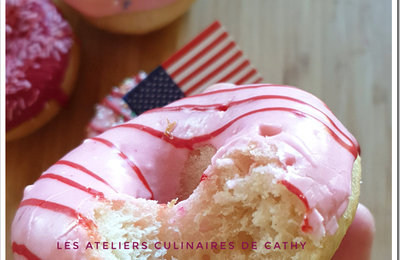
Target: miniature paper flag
210	58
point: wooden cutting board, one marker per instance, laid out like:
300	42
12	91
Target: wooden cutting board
339	50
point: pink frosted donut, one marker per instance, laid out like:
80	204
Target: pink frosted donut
131	16
102	8
236	164
41	64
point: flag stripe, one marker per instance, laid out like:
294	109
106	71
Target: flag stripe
223	47
235	71
209	70
258	80
227	71
201	54
194	52
253	79
241	74
209	63
214	73
210	58
213	31
246	77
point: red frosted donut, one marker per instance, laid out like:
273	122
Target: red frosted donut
41	64
198	179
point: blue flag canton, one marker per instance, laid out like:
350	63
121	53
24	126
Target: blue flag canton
156	90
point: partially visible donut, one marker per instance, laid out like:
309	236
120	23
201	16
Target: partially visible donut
257	163
42	59
131	16
113	110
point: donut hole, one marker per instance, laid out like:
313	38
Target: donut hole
198	161
270	130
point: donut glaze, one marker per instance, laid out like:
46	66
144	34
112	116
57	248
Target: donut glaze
38	44
102	8
145	158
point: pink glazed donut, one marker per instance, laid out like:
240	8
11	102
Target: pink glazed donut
131	16
264	165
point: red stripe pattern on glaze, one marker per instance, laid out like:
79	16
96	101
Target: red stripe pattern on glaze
24	251
190	143
305	227
59	208
74	184
83	169
318	156
353	148
128	161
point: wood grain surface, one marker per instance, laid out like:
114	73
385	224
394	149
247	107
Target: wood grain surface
339	50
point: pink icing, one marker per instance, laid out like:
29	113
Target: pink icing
38	43
134	159
101	8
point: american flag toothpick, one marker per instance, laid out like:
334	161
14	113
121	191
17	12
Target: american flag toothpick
210	58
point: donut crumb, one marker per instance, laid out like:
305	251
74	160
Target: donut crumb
168	130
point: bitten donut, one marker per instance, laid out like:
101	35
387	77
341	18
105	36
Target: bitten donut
264	165
41	64
131	16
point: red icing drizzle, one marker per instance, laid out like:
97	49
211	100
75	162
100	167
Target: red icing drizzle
83	169
224	107
293	189
74	184
189	143
87	223
238	88
305	227
203	177
176	142
24	251
128	161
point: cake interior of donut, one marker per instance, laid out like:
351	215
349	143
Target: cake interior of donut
238	201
